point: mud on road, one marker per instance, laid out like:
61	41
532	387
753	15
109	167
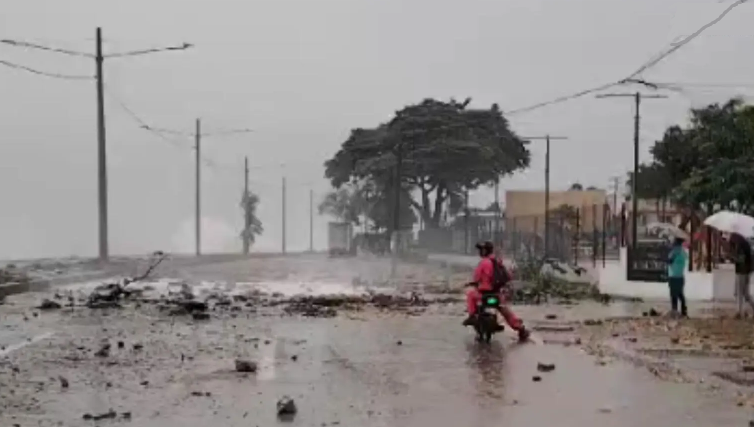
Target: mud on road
367	366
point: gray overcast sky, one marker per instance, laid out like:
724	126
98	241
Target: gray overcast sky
302	73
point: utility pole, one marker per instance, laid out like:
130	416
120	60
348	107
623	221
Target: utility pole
198	207
547	139
284	216
99	58
466	221
198	184
616	184
104	252
637	124
497	235
396	209
246	216
311	220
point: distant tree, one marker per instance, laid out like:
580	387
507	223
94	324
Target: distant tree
249	204
344	204
591	188
368	201
576	187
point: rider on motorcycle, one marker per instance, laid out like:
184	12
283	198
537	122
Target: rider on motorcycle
484	281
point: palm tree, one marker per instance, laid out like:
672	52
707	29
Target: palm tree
249	204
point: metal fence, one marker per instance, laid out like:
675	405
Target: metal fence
581	235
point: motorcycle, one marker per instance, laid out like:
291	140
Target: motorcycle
486	323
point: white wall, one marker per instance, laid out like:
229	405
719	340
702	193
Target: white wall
612	280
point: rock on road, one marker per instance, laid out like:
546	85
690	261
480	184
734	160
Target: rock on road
364	368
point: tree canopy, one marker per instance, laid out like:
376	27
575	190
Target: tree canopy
445	148
708	163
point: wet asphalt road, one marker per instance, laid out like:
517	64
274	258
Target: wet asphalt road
350	370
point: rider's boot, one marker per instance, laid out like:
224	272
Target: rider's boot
523	334
470	320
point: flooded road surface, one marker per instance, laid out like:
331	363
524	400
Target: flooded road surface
373	370
141	366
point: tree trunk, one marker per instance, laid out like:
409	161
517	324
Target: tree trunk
437	212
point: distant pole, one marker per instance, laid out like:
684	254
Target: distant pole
198	149
594	235
394	236
635	180
284	216
547	198
466	221
637	124
101	154
397	193
604	231
547	139
311	220
246	216
497	236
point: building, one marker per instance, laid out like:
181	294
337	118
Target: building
653	210
525	210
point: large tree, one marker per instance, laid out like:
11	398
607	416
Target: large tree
445	148
706	165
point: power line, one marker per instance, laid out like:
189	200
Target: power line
44	73
183	46
20	43
561	99
142	124
631	78
685	40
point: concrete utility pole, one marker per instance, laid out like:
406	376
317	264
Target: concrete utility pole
246	217
198	207
311	220
616	184
637	119
497	236
99	59
394	235
198	148
284	217
466	221
104	251
547	139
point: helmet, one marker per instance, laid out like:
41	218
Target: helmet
486	246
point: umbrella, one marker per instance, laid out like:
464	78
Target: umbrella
732	222
670	230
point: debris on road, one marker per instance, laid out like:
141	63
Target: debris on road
536	378
545	367
200	316
49	305
63	381
243	365
107	415
104	350
286	407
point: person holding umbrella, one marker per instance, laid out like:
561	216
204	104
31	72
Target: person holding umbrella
676	276
743	259
741	228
